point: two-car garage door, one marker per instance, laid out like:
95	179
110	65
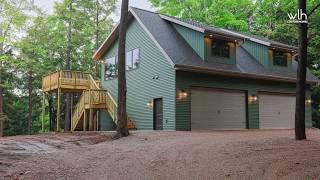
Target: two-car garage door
276	111
224	109
217	109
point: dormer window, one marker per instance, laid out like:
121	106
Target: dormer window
220	48
280	59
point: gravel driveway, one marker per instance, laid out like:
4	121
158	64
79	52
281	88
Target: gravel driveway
251	154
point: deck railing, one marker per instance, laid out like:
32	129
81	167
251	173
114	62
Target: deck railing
92	94
112	107
77	112
96	98
65	79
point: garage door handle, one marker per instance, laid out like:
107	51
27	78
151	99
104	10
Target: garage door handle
278	113
218	111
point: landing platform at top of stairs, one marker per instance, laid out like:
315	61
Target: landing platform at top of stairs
68	81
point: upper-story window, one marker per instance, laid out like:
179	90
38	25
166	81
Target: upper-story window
220	48
280	59
132	59
132	62
111	68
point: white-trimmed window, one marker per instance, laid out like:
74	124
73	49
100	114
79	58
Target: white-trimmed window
132	59
129	60
132	62
135	58
111	68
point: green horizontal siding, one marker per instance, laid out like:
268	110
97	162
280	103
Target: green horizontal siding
106	123
253	111
187	80
141	87
308	114
193	38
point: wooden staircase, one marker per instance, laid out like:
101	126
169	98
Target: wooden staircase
93	98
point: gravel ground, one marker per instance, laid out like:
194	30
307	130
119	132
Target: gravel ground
250	154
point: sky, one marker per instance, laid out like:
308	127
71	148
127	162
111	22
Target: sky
48	5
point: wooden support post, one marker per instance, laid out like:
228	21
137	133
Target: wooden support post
85	120
71	125
94	120
90	112
97	121
90	119
43	111
58	111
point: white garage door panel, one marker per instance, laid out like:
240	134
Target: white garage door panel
276	111
217	110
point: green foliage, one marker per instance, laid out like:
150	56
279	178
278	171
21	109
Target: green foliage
231	14
36	44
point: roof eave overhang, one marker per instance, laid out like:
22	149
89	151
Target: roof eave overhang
285	48
237	74
224	36
199	29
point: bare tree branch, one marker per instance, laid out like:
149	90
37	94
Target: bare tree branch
315	8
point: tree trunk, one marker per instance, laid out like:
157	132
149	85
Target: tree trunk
30	123
50	112
1	103
300	133
67	117
97	37
122	128
1	92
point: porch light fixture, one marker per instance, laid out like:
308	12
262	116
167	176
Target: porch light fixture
308	101
155	77
150	104
252	98
182	94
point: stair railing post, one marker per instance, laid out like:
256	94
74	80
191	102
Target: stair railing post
72	112
58	111
84	111
90	111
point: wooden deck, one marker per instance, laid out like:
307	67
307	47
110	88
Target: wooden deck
73	81
93	98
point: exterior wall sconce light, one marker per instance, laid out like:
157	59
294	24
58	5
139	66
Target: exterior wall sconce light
308	101
182	94
101	62
150	104
253	98
155	77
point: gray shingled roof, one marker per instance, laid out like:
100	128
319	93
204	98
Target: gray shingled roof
182	55
227	32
